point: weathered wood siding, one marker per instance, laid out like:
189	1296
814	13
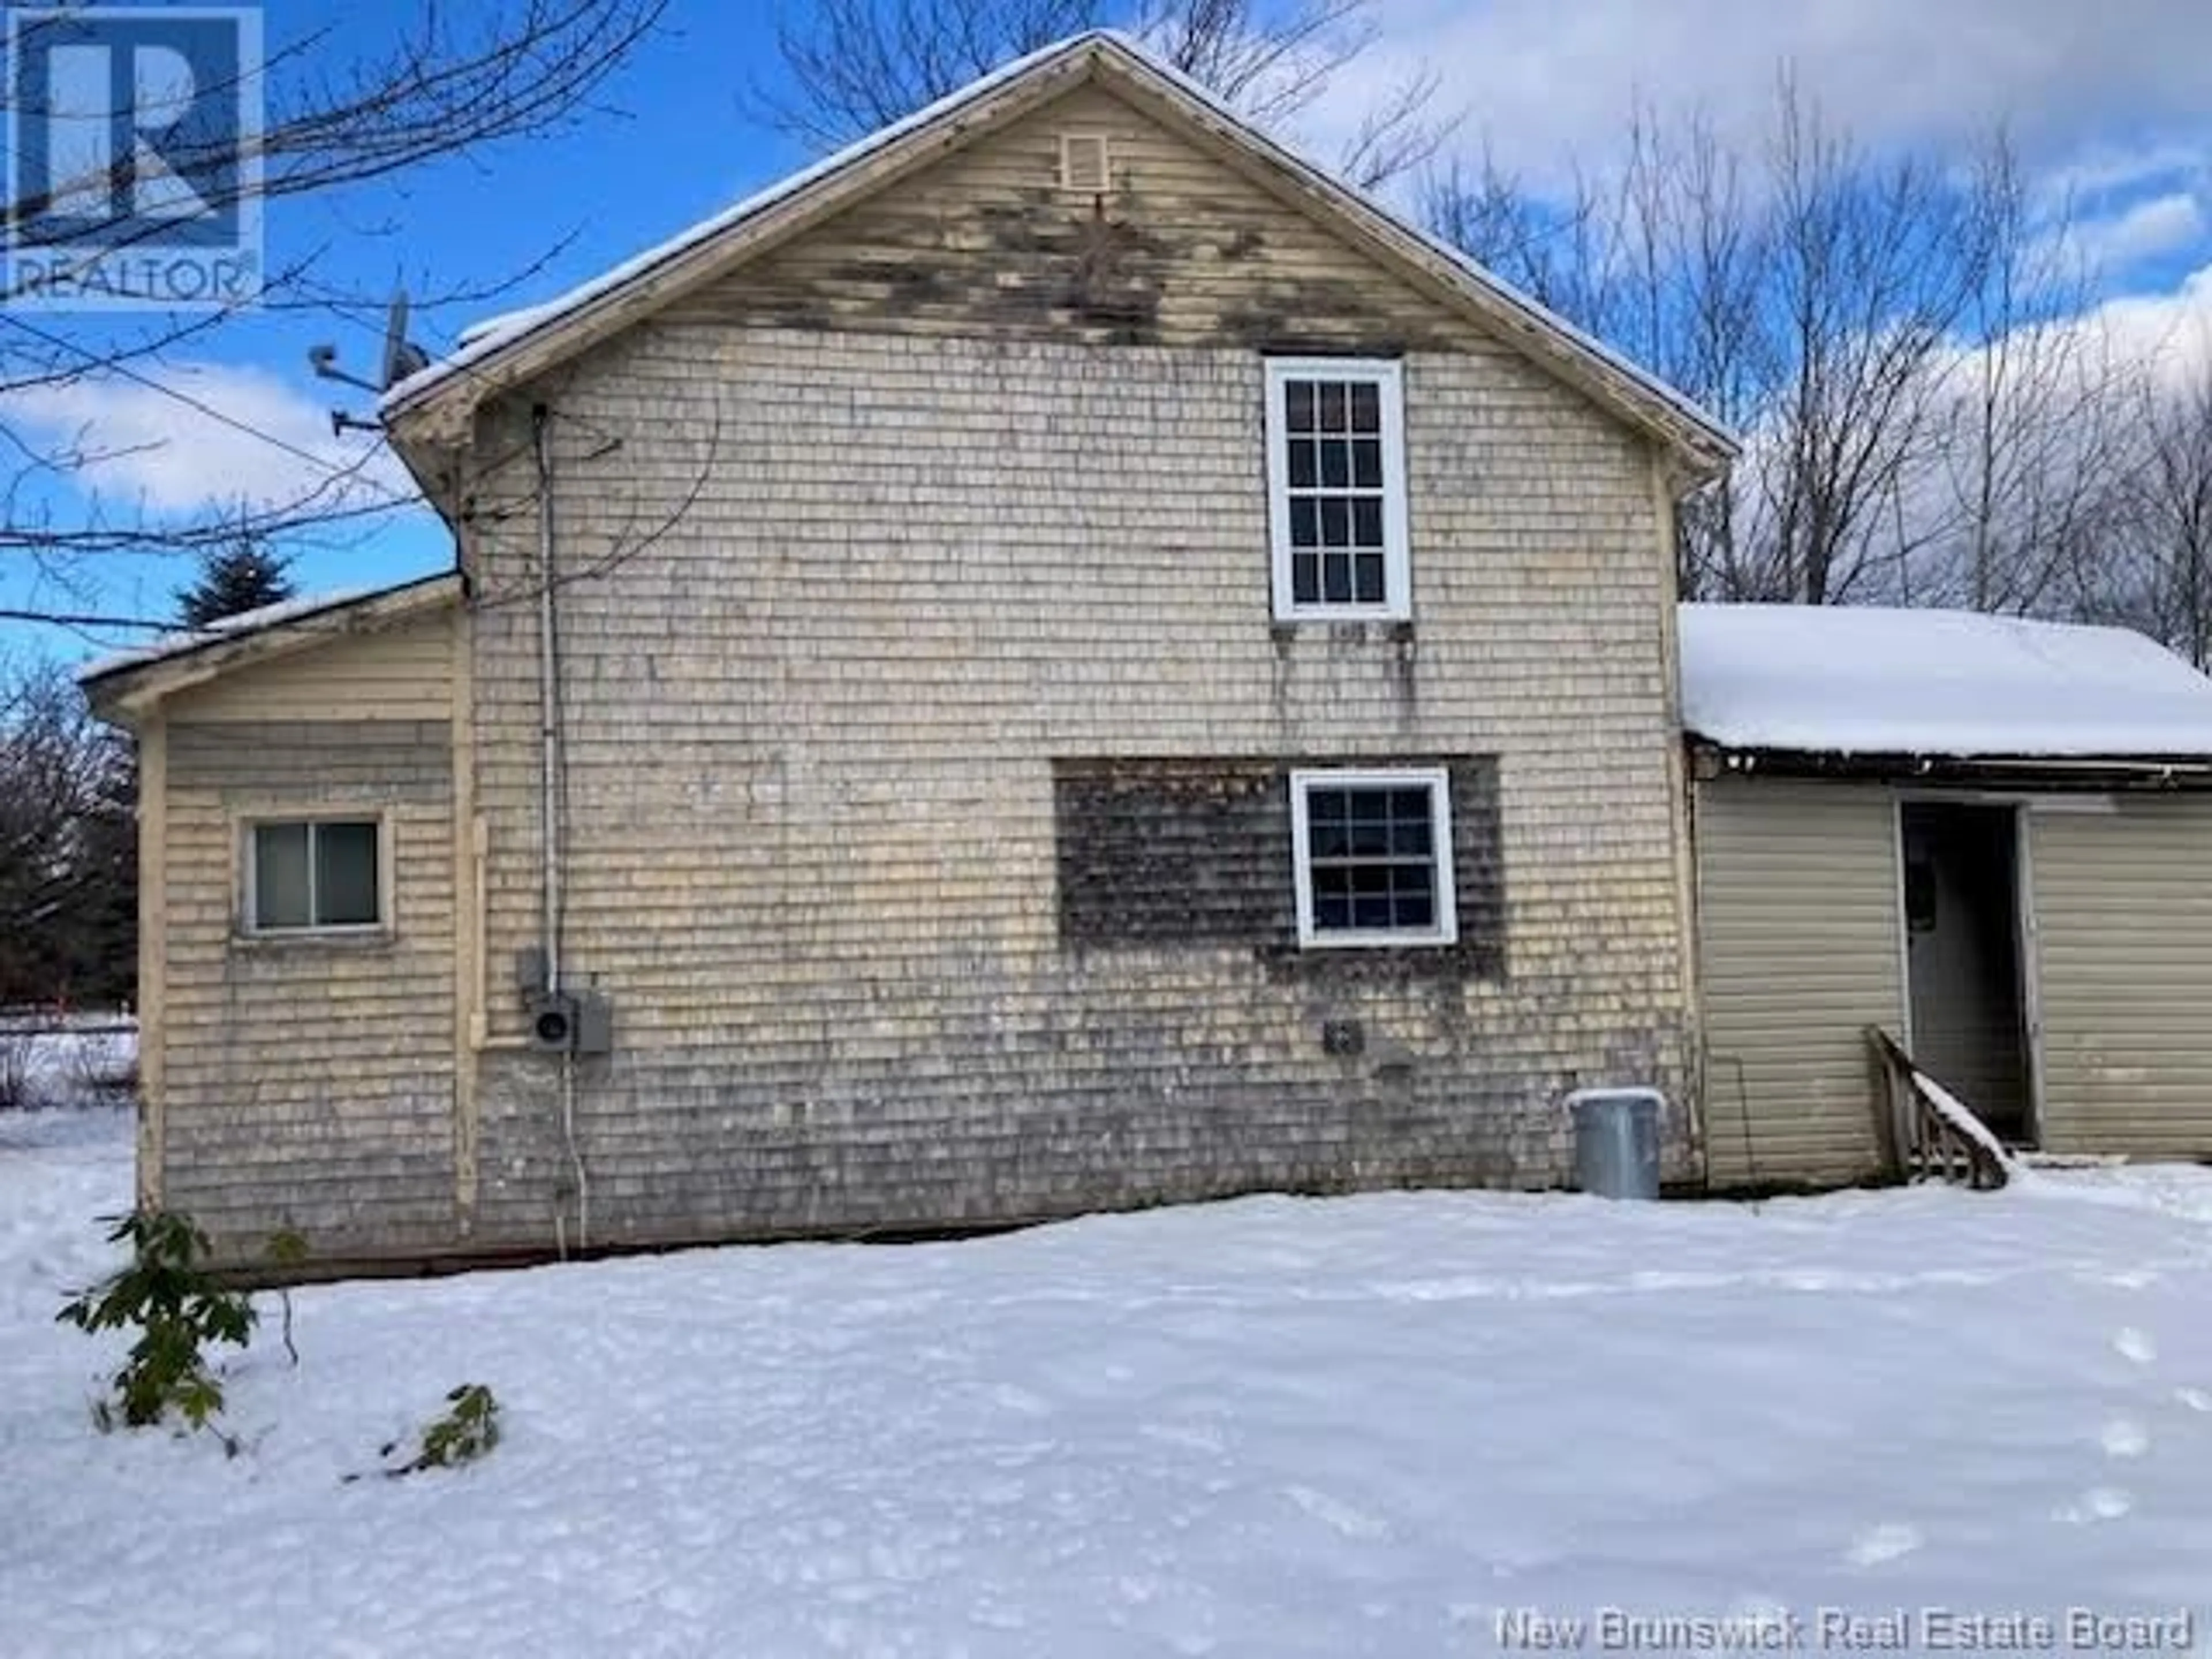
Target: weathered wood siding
2123	925
1800	951
1186	249
310	1082
404	672
865	567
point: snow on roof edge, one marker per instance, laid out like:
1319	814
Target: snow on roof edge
482	340
241	624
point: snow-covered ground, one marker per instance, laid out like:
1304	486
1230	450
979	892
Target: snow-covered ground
1371	1425
49	1059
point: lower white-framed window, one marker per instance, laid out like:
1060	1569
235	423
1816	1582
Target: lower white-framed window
1372	848
314	875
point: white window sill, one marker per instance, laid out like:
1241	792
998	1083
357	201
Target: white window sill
1373	941
342	938
1333	615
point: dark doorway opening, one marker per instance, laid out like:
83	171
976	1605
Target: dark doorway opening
1965	992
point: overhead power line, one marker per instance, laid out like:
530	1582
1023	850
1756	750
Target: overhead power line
85	619
349	471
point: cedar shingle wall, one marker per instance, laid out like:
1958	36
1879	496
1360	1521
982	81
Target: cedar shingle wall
813	730
1154	852
860	551
1183	250
310	1083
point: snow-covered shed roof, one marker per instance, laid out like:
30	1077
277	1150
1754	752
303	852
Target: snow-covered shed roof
1853	681
501	350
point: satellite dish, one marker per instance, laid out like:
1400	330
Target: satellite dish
401	357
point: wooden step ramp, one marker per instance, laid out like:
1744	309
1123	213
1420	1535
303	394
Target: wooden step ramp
1927	1132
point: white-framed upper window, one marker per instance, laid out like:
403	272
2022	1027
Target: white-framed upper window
1373	853
314	876
1336	489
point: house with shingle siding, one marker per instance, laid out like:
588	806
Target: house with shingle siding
1058	660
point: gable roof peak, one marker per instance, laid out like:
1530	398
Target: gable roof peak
505	351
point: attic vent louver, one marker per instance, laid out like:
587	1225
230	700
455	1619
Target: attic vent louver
1083	164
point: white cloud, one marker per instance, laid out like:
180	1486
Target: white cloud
2145	230
2103	102
2104	171
2172	331
1546	82
161	448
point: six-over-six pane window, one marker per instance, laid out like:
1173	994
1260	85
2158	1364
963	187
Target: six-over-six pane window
1373	856
1336	469
313	875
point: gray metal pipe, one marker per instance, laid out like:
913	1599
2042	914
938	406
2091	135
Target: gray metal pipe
550	734
549	699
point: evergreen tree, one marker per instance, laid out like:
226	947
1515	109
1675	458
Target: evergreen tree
68	870
244	576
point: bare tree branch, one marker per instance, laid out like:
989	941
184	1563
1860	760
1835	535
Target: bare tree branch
1927	420
453	81
852	66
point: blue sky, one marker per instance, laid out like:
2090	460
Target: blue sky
668	144
2108	104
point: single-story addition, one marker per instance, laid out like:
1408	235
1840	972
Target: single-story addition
1991	838
1059	660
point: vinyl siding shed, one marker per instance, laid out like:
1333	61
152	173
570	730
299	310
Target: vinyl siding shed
1816	739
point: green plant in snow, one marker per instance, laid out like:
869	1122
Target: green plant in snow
177	1308
469	1430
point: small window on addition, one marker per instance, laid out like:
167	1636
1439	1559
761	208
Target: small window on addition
1336	490
1373	854
1083	166
314	875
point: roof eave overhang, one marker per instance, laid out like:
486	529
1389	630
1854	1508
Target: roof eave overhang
1715	759
429	427
128	693
1699	449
